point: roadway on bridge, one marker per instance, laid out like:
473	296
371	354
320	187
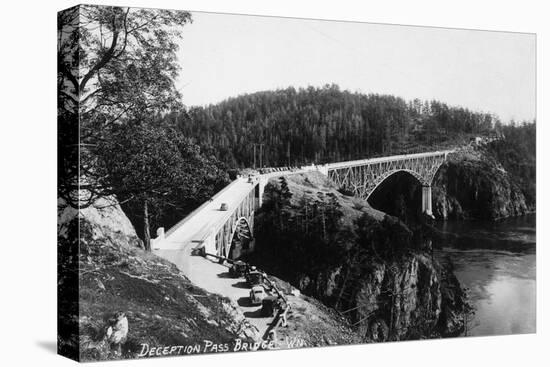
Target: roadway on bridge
201	223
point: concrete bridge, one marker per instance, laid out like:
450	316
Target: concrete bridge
217	228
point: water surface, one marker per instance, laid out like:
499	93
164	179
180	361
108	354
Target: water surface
496	262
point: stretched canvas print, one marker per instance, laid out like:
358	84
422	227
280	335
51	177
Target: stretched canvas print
232	183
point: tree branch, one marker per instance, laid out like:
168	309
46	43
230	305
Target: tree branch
63	69
105	59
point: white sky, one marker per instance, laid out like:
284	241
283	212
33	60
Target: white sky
226	55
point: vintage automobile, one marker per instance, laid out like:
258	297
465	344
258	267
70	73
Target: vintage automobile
257	294
270	306
254	277
238	269
198	251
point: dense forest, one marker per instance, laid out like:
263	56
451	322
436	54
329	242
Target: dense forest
517	151
301	126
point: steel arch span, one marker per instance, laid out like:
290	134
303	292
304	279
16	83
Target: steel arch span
362	177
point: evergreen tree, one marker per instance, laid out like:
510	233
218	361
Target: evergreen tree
152	170
317	125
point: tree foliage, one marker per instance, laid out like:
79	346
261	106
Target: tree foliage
517	153
304	235
325	125
156	172
115	65
116	74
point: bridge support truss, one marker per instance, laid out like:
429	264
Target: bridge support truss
363	177
245	211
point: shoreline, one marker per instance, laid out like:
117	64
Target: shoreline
498	219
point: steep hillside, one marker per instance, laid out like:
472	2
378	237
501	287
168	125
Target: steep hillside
107	275
311	323
162	307
325	124
473	184
357	260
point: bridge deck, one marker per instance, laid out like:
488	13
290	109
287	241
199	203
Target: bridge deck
206	274
362	162
203	222
206	221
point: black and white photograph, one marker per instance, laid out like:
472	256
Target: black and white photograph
236	183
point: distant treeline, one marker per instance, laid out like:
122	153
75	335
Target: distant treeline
324	124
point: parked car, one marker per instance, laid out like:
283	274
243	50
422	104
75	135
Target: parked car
224	207
270	305
254	277
257	294
238	269
199	251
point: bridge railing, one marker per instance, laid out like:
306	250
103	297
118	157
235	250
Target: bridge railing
361	162
201	207
212	232
176	226
302	169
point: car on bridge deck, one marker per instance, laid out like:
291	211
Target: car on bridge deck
257	294
224	207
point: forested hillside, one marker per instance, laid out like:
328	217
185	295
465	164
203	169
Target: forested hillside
324	124
491	181
517	153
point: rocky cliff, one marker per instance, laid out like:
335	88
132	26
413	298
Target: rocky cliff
411	297
472	184
388	286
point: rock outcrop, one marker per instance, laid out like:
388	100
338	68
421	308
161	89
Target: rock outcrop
473	185
388	287
411	297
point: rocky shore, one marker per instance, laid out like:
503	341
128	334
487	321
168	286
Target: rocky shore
473	184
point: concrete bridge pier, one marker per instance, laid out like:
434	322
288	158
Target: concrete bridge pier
262	181
427	200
